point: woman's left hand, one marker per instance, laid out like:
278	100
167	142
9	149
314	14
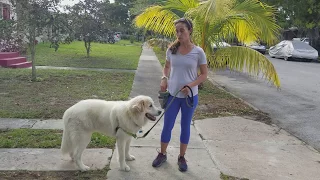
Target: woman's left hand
185	91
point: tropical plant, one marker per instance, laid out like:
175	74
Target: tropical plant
221	20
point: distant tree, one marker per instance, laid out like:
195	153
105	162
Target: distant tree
86	22
33	17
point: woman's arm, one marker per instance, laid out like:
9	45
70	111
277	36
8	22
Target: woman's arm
164	79
166	69
202	77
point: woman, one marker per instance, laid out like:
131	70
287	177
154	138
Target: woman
183	59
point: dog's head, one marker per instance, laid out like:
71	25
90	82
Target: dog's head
143	107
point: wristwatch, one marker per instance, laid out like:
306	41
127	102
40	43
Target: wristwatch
164	77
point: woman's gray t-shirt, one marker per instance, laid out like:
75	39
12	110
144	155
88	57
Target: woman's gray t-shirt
184	69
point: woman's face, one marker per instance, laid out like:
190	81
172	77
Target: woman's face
182	32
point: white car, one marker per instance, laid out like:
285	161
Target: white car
304	39
219	45
117	36
293	50
256	46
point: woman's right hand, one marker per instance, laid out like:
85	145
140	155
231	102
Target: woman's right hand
163	85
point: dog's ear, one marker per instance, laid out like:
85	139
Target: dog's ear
139	106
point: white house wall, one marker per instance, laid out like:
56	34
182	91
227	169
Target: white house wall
12	13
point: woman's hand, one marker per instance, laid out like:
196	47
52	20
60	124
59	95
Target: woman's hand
163	85
185	91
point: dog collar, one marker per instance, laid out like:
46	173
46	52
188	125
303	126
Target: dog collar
129	133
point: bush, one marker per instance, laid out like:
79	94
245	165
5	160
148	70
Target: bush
9	41
8	45
131	39
125	36
13	45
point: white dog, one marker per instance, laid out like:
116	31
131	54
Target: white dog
113	118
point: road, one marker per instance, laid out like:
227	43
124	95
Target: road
295	107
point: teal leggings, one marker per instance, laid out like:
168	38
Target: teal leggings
186	117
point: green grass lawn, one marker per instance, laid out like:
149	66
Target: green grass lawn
57	90
121	55
161	55
40	138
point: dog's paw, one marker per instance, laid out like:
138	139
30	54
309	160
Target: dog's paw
130	158
85	168
125	168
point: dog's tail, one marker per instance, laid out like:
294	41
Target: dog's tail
66	143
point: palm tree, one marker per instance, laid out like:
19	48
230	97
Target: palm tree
221	20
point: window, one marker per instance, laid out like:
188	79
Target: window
1	11
6	13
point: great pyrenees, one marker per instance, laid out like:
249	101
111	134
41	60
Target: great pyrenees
112	118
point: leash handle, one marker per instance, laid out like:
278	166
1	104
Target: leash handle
190	98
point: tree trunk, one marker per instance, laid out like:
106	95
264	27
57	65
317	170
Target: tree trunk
88	46
32	47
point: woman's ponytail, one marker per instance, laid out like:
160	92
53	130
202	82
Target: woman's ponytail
174	46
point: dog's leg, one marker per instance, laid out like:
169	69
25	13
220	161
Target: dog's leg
71	156
121	143
82	140
127	152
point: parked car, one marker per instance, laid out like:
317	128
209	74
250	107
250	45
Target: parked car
256	46
117	36
290	50
303	39
219	45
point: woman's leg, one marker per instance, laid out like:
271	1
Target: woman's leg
169	120
186	118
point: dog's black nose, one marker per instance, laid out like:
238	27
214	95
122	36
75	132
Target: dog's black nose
159	112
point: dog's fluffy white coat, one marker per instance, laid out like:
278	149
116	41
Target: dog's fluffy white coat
93	115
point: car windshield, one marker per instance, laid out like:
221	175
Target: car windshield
301	45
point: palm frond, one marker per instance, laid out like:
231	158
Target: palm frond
157	19
261	19
247	21
181	5
221	20
205	18
245	60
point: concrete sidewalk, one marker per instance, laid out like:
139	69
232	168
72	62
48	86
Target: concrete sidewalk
232	145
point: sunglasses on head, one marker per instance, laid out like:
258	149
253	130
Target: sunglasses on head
184	20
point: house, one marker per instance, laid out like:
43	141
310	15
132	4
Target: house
6	10
10	59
